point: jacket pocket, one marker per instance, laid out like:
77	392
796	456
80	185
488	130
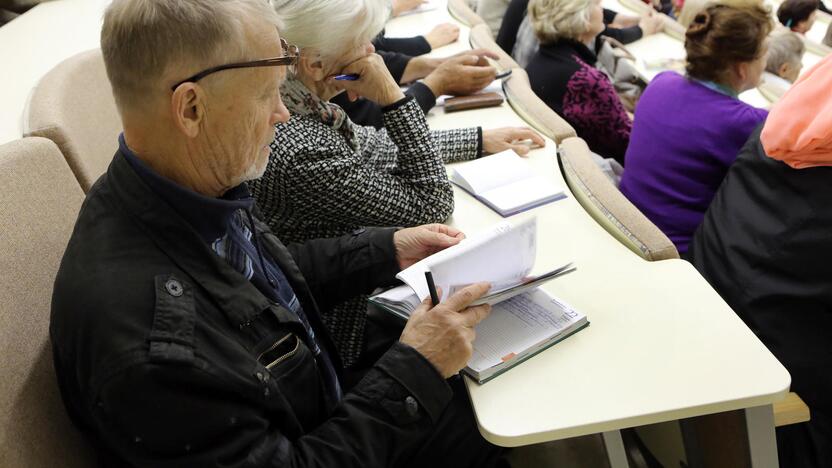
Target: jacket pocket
282	349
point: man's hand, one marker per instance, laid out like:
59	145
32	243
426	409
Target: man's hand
421	66
501	139
443	34
374	82
651	23
401	6
461	75
416	243
444	334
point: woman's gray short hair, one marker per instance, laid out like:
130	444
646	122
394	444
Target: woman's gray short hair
559	19
783	47
146	41
331	27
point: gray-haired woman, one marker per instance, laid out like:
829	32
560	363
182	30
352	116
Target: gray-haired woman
328	176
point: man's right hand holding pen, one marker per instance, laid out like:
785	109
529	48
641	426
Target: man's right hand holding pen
444	333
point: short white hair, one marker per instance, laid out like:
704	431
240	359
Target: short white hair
331	27
559	19
784	47
143	41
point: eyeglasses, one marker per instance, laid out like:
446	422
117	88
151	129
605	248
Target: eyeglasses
289	60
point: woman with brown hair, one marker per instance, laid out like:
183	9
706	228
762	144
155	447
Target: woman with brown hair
798	15
688	129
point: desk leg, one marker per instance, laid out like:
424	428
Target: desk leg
762	442
616	453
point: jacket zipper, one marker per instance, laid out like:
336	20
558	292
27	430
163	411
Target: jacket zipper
285	356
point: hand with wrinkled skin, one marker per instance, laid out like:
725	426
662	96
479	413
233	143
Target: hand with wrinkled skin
444	334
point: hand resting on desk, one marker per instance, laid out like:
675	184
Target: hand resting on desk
442	35
515	138
461	75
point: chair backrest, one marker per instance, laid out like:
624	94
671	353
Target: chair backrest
534	111
461	10
39	202
604	202
480	38
73	106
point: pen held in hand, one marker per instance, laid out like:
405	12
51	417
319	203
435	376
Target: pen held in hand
350	77
434	298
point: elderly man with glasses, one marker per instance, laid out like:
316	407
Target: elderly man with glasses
185	334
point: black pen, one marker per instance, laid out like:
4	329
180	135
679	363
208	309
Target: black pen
434	298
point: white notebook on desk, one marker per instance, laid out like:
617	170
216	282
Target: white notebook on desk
505	183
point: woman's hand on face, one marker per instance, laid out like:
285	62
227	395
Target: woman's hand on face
443	34
514	138
374	81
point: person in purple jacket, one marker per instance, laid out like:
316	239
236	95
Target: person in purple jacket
689	129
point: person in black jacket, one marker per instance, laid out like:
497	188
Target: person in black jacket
765	246
184	333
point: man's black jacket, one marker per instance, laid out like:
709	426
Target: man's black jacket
167	357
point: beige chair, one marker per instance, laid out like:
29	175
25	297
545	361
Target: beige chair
38	206
604	202
462	12
534	111
480	38
73	106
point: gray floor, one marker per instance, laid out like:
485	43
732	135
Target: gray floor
578	452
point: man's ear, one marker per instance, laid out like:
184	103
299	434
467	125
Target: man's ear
312	66
188	108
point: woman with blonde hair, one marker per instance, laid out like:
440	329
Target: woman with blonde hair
563	73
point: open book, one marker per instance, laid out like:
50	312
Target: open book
516	329
503	255
505	182
524	319
519	328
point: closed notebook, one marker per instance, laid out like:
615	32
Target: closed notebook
506	183
474	101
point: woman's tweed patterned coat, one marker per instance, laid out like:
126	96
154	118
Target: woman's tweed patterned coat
327	177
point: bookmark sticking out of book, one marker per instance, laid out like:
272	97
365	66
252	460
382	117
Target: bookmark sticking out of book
506	183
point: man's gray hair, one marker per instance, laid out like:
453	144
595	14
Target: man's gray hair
783	47
144	42
331	27
559	19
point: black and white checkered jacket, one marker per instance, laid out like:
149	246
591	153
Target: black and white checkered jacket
316	185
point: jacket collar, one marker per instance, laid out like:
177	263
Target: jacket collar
569	46
207	215
240	300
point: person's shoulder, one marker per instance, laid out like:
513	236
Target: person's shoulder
305	138
667	79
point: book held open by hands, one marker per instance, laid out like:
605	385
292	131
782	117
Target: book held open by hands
524	319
